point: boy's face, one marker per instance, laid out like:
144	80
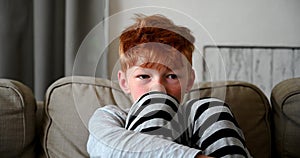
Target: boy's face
139	80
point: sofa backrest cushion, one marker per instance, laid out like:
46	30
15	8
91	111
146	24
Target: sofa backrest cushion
71	101
69	104
285	99
17	120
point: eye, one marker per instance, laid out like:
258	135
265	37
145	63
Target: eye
143	77
172	76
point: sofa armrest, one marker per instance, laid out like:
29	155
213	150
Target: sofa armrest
17	119
285	100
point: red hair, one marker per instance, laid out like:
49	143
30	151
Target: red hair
154	29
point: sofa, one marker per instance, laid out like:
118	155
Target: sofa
56	127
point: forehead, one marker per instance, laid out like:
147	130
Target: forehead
154	55
160	58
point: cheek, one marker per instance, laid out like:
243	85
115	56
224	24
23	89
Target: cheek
175	91
178	90
137	91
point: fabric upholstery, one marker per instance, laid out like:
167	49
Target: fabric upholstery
250	107
69	104
17	121
72	100
285	99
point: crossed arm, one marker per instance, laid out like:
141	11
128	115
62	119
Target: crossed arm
109	138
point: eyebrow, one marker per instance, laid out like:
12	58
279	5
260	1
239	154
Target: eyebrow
169	70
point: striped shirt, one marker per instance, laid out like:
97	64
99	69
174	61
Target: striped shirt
158	127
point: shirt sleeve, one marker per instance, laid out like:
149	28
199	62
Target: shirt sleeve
109	138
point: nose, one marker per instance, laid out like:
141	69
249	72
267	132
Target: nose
158	86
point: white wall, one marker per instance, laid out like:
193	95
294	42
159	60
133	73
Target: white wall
226	22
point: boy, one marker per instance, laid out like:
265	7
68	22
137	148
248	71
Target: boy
156	58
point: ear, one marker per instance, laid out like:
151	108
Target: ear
190	81
123	81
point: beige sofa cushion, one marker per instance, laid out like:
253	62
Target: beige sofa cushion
71	101
285	98
17	120
69	104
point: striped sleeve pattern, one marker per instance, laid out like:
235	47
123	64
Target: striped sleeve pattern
109	139
204	124
212	128
154	114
